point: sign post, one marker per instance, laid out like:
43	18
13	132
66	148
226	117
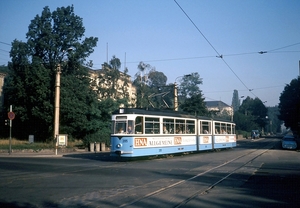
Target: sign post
11	116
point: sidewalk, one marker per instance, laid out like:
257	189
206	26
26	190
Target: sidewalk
44	153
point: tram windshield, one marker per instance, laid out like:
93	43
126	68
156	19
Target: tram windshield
122	126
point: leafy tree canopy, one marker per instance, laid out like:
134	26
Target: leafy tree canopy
190	95
195	105
289	106
113	83
190	85
156	78
235	101
251	115
53	38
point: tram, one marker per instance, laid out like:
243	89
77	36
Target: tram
146	132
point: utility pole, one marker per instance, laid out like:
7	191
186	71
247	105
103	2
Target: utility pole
175	97
57	106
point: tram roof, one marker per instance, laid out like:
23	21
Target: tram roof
158	112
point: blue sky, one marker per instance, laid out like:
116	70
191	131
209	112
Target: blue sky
158	33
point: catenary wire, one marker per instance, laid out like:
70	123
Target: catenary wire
218	54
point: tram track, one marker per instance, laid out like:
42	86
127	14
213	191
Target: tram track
181	192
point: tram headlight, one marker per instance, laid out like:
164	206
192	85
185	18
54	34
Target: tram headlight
119	145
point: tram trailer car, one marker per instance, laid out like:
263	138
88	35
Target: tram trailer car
140	132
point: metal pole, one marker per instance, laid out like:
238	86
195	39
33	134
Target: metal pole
10	126
175	97
56	111
232	112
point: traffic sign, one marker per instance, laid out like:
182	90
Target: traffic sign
11	115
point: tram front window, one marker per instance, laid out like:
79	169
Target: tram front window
124	127
120	127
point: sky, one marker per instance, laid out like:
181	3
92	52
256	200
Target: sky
220	40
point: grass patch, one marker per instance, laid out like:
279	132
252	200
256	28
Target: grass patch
21	145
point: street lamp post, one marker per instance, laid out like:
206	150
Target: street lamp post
176	92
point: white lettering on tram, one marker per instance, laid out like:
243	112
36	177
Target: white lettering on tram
140	142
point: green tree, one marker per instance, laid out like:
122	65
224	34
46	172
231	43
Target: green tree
289	106
156	78
254	112
4	69
191	95
32	79
189	85
159	91
195	105
113	83
142	89
273	122
235	101
3	115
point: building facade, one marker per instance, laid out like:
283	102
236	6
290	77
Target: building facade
109	85
220	109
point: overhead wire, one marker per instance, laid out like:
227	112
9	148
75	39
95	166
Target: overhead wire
276	49
5	43
4	52
173	59
260	88
218	54
201	57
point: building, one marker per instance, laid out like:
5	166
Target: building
123	85
220	109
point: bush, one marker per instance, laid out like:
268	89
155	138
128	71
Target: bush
244	133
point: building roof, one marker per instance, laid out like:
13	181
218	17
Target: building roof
216	104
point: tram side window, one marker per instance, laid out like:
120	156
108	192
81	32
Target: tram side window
190	127
217	128
233	129
179	126
139	125
228	127
223	128
205	127
168	126
152	125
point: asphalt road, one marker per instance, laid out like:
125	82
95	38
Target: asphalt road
254	174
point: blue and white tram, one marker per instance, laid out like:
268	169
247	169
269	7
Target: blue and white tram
139	132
